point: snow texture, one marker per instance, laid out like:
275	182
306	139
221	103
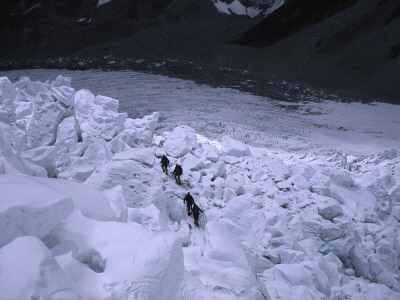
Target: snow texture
292	221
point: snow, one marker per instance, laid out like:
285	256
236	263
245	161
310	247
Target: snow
29	209
181	141
23	276
101	2
299	214
276	4
234	148
237	8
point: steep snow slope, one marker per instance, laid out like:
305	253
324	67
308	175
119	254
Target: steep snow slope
279	223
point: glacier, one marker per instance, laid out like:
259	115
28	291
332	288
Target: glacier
306	211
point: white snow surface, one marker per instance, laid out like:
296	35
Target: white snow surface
309	210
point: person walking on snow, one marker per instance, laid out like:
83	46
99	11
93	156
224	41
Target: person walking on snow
177	173
189	203
196	213
164	164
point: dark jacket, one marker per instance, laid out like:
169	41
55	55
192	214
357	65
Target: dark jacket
164	161
188	199
196	210
178	170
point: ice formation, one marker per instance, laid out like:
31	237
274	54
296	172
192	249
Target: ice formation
111	225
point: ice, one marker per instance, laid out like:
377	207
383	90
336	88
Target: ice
233	147
44	156
117	202
150	217
23	105
329	208
61	81
210	152
68	130
191	163
14	164
107	103
143	155
7	90
138	181
29	208
7	111
182	140
137	133
95	119
137	261
42	125
310	212
64	95
85	160
223	246
33	276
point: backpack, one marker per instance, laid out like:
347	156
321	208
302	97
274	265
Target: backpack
180	171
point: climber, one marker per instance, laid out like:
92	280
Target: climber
177	173
189	203
196	212
164	164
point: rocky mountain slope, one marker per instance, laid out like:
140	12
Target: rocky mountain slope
352	46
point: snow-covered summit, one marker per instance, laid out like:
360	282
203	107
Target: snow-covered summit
111	225
251	8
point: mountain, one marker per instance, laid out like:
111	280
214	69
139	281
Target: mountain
347	44
350	46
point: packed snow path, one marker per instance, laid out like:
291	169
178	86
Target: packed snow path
279	224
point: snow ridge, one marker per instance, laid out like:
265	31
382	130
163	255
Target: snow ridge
111	225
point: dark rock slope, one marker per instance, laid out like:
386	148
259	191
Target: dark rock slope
352	46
